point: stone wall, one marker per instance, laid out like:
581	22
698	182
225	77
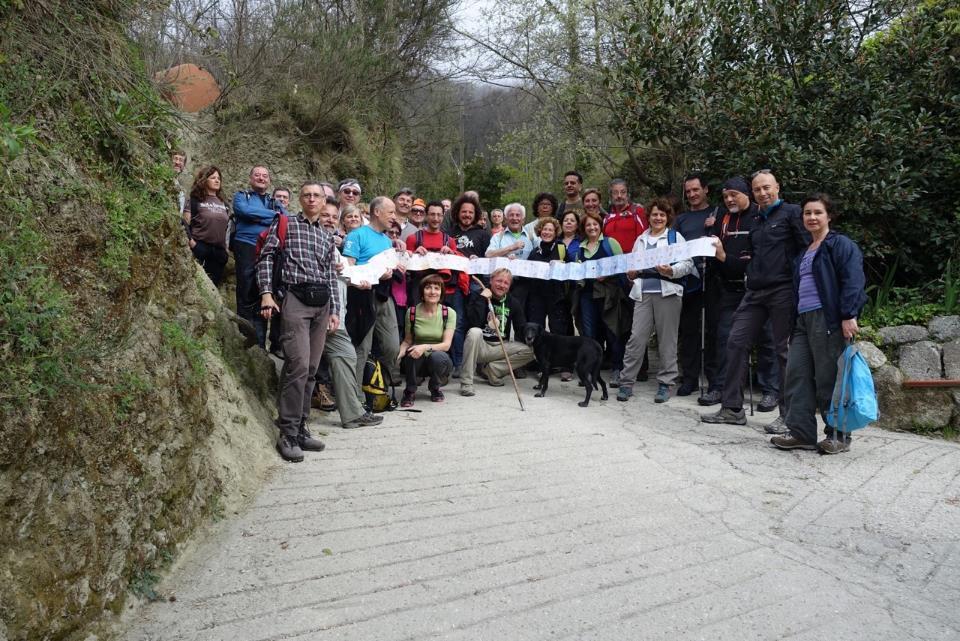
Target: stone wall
910	353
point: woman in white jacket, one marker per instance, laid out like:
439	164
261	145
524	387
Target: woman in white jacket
658	296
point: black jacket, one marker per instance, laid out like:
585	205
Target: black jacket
733	230
838	273
476	311
776	239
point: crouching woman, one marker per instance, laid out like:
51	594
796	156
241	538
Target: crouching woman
829	284
427	337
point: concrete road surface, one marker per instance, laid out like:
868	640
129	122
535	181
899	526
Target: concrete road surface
475	521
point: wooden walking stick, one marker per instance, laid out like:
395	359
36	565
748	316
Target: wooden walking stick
496	328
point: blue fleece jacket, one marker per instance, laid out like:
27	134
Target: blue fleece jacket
838	273
253	213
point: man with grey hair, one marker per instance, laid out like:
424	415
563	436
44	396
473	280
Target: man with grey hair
359	247
511	241
254	211
626	220
311	308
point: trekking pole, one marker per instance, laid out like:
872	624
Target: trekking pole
750	377
703	332
496	328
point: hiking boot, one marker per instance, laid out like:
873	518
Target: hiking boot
686	389
436	395
289	449
323	399
614	378
456	371
467	390
407	400
624	392
492	380
710	398
830	446
663	393
726	415
768	403
306	441
789	442
778	426
366	420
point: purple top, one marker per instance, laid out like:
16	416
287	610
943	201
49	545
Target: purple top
808	296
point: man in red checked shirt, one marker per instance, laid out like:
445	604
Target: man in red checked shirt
626	221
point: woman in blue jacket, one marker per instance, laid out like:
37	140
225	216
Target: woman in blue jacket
829	285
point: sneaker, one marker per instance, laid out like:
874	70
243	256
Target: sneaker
710	398
323	399
289	449
830	446
436	395
492	380
467	390
407	400
663	394
624	393
685	390
726	415
614	378
788	442
768	403
306	441
366	420
778	426
456	371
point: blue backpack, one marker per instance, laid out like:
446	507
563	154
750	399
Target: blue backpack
854	403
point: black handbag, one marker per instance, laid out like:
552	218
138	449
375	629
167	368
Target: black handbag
311	294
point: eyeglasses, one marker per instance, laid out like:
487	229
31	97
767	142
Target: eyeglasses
760	171
350	192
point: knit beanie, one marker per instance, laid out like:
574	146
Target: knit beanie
737	183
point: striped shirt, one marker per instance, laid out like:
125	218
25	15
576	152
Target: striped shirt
310	256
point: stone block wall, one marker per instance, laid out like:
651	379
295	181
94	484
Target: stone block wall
911	353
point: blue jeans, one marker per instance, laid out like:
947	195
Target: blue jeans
591	318
458	301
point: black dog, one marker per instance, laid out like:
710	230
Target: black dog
578	352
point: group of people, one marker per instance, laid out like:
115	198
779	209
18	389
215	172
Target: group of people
780	278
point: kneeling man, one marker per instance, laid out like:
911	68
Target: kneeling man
481	346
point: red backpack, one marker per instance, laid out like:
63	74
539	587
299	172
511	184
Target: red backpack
275	282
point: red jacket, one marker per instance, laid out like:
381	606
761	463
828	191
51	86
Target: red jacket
626	225
433	241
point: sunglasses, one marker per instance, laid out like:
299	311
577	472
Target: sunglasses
417	210
350	192
760	171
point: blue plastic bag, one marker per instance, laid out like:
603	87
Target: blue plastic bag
854	403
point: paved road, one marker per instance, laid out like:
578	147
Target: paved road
474	521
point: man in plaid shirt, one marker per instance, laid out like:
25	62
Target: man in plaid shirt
311	308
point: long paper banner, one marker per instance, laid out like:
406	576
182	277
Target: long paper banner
554	270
